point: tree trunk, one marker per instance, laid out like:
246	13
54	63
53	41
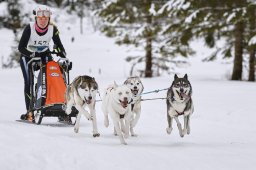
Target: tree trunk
81	25
238	60
148	70
251	11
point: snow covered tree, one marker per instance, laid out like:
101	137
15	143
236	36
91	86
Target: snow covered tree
214	20
252	47
13	18
136	23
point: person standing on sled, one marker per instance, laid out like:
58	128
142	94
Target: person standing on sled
38	33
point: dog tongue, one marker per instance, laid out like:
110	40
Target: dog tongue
124	104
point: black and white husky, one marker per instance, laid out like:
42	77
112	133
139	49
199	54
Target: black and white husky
82	93
136	86
117	103
179	103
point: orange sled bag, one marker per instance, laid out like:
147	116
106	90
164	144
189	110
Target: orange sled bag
56	87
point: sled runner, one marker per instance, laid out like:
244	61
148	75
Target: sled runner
55	124
48	83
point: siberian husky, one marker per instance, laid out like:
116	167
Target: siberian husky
82	93
136	86
179	102
116	102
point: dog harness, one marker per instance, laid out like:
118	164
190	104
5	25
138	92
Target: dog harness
180	113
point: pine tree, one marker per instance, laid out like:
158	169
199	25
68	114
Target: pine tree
136	23
252	31
13	17
214	20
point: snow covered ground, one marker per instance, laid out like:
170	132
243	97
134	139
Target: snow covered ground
223	131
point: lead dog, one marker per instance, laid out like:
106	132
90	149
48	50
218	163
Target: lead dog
82	93
179	102
136	86
116	103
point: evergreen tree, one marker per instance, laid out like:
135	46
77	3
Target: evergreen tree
13	18
252	32
13	21
213	20
136	23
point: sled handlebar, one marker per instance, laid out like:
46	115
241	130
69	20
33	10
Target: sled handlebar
34	59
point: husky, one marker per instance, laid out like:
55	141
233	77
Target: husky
116	103
179	102
82	93
136	86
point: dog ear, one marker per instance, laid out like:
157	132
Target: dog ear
127	81
185	76
115	85
175	76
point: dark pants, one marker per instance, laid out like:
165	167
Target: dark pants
25	71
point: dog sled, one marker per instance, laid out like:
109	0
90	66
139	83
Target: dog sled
48	84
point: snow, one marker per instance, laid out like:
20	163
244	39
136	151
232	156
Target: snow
252	41
223	135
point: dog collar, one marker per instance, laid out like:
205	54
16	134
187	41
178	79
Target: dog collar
179	113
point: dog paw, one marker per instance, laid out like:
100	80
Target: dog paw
168	130
181	134
96	135
76	130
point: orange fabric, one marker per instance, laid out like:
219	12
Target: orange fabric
56	86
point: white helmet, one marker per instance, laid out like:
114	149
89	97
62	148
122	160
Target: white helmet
41	11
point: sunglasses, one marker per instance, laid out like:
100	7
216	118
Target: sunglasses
43	13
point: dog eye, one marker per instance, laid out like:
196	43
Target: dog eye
127	92
138	83
86	89
120	93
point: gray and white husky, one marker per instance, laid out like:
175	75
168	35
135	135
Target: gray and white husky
179	103
82	93
116	103
136	86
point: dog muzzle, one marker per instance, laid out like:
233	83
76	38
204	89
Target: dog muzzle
89	101
135	91
182	95
124	103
